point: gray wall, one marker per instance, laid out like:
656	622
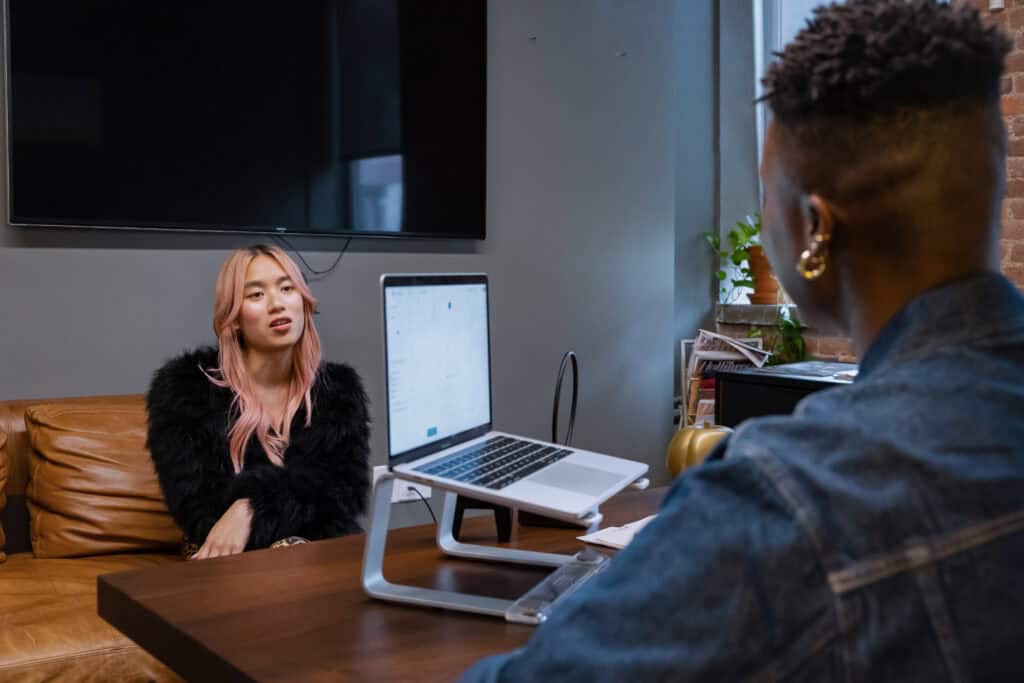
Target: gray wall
582	227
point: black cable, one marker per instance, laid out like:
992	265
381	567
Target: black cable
313	271
569	356
417	492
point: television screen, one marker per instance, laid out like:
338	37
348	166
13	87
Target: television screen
323	117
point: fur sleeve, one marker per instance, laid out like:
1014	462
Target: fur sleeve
186	415
322	488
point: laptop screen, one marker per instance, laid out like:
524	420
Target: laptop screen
437	362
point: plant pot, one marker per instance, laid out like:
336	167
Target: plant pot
766	287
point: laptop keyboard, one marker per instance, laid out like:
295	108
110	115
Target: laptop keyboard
496	462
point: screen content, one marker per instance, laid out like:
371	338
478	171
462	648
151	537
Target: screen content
438	366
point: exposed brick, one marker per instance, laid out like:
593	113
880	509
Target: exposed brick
1015	168
1015	124
1013	230
1015	63
1005	85
1016	253
1015	188
996	19
1015	17
1015	147
1012	104
1016	273
1005	249
1014	207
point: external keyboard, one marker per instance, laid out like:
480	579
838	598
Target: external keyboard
496	462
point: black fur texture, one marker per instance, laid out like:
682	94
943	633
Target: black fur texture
320	491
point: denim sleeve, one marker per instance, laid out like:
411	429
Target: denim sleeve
722	585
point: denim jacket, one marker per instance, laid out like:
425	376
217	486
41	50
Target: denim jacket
876	534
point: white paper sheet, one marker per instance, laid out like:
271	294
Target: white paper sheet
616	536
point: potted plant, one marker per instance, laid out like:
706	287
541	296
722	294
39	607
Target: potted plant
746	255
786	341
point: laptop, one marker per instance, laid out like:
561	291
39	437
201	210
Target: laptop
438	376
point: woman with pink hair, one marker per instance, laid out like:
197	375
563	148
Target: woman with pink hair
258	440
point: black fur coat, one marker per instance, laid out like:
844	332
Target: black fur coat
319	492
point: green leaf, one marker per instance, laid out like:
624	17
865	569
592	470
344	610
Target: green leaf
742	283
720	275
739	256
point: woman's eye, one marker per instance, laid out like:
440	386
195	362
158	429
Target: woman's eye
287	288
254	295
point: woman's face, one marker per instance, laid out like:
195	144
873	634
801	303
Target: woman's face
272	316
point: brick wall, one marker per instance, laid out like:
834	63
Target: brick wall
1011	20
820	346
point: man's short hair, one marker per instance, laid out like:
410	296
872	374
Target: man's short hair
866	58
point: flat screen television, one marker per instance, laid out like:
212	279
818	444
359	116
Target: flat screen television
318	117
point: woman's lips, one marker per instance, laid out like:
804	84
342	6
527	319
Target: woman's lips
281	325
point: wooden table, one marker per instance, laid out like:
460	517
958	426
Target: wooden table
300	613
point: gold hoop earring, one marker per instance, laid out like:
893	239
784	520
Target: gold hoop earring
813	261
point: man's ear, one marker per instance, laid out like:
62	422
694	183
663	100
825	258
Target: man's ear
818	220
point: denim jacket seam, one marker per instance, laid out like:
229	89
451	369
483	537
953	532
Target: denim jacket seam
921	552
773	472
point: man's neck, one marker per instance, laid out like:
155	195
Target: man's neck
877	300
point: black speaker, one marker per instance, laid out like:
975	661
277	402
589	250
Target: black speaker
775	390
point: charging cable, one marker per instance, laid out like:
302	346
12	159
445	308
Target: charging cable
569	356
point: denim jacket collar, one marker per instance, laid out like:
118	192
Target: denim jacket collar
949	315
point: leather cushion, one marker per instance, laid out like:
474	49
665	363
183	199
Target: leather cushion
3	489
51	630
92	488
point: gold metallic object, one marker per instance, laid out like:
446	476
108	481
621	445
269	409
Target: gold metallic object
813	260
691	445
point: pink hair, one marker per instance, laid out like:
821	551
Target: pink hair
251	418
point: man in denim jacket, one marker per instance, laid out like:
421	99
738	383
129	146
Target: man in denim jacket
877	534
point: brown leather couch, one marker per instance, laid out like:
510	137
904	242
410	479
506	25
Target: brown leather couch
78	498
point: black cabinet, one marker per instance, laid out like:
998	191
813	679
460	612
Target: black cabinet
741	394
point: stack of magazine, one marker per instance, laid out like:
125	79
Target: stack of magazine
704	357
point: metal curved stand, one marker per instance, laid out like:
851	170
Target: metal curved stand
376	541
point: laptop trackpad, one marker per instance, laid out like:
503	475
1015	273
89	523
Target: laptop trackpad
577	478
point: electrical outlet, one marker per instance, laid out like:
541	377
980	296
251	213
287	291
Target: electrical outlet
402	492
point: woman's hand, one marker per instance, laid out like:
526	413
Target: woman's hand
231	532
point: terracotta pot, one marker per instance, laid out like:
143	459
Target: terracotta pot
766	287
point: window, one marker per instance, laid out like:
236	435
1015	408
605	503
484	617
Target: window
776	22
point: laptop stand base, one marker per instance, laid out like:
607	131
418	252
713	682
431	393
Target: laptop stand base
376	541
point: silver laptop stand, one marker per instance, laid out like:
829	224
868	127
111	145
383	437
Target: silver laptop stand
376	540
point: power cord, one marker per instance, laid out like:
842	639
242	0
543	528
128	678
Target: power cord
316	274
417	492
569	356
